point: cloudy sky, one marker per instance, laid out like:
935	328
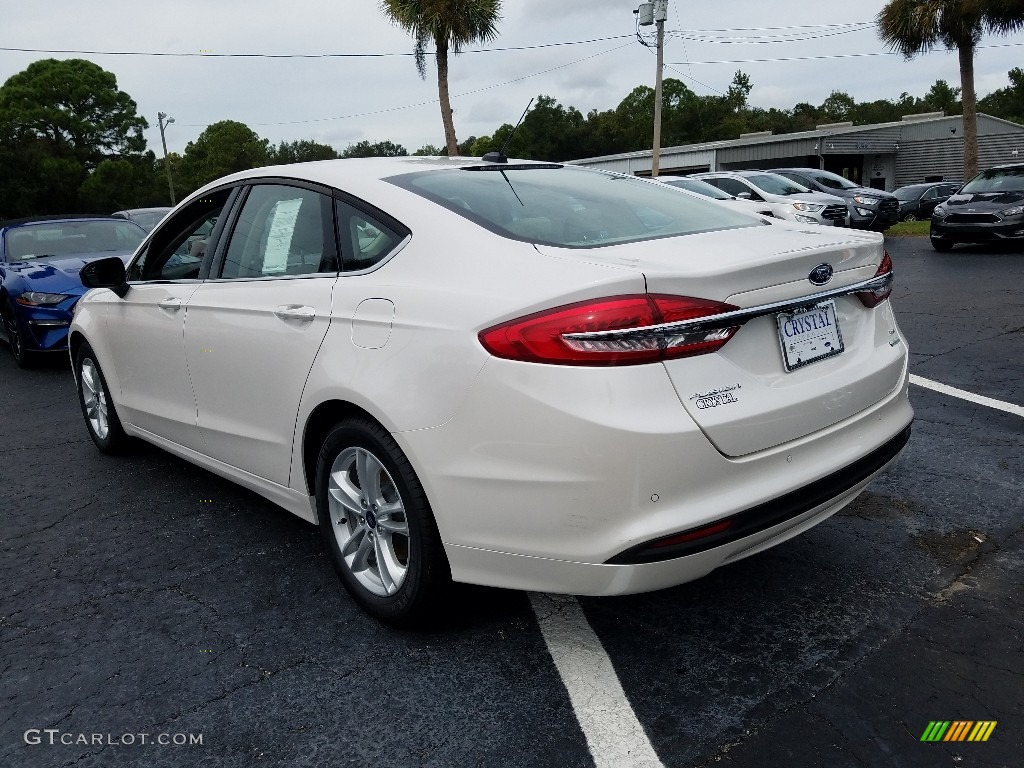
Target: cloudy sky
342	100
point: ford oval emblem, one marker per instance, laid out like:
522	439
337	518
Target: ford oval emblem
821	274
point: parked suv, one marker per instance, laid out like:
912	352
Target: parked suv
989	207
917	201
869	208
789	200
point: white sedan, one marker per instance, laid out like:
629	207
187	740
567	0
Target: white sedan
524	375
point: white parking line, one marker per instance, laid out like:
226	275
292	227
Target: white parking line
614	735
963	394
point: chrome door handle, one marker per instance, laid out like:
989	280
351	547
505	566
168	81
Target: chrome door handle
295	312
171	304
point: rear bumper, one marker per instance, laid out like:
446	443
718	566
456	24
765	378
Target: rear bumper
548	474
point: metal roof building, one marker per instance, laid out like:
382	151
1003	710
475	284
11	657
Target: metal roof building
918	148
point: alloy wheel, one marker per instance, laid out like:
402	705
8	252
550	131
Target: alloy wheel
368	519
94	398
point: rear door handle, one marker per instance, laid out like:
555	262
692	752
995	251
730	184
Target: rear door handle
171	304
295	312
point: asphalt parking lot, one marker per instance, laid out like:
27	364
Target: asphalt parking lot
148	601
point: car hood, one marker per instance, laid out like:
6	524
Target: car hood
58	274
983	202
810	197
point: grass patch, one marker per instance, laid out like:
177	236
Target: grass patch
909	228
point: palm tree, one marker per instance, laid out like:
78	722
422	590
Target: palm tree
911	27
449	25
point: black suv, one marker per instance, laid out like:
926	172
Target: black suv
869	208
989	207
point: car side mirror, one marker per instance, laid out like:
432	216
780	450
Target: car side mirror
105	273
744	195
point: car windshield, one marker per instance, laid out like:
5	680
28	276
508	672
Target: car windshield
700	187
833	180
71	238
566	206
774	184
907	193
996	180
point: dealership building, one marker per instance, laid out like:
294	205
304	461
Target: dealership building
918	148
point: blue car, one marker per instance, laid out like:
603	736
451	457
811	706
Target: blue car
39	263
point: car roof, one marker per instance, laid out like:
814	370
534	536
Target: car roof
925	184
152	209
61	217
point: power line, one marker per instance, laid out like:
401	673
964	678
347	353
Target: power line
203	55
830	56
430	101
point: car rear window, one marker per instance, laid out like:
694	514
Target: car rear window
568	207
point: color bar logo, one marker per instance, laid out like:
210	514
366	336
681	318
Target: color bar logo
958	730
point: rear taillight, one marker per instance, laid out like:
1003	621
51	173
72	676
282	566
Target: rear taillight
876	297
622	330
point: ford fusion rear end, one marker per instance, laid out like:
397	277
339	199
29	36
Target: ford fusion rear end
632	441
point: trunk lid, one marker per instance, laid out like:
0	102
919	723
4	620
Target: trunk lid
742	396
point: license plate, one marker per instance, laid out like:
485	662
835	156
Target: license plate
809	335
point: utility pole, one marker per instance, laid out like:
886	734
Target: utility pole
656	12
163	120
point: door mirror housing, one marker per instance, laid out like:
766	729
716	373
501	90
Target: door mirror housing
105	273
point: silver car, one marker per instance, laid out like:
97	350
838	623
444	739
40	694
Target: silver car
788	200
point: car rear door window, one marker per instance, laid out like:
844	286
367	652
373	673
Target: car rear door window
281	231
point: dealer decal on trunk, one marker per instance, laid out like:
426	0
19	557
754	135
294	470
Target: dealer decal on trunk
716	397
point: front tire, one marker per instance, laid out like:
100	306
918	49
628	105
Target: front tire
97	406
23	358
941	245
910	217
377	525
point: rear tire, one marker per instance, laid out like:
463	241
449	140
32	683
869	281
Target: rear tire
97	406
941	245
910	217
377	525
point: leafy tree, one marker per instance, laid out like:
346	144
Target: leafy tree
59	121
942	96
223	148
119	183
384	148
912	27
429	150
449	25
288	152
1007	103
839	106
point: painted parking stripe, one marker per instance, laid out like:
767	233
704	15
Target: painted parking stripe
963	394
614	735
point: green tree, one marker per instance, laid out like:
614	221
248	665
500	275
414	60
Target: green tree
449	25
912	27
121	183
942	96
304	151
429	150
1007	103
839	106
223	148
59	121
384	148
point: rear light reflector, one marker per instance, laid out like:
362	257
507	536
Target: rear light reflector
615	331
876	297
698	533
